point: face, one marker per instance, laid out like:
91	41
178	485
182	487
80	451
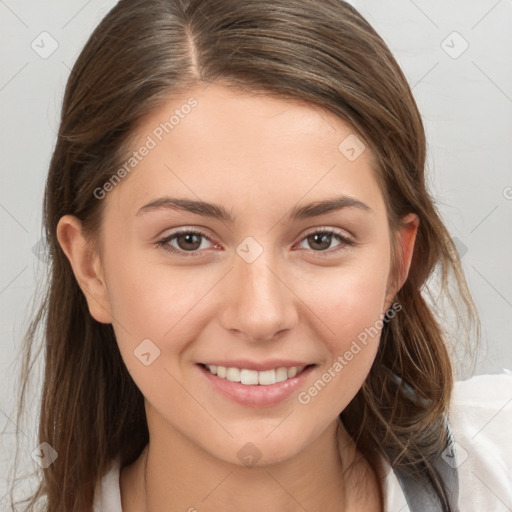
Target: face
267	285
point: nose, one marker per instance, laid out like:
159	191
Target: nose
259	303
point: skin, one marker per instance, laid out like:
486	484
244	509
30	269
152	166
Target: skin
258	157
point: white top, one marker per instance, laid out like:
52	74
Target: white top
481	420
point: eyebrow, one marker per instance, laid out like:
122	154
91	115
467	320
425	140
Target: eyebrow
219	212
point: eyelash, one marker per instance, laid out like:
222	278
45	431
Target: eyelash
164	242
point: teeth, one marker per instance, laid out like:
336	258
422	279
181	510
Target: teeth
233	374
267	377
248	377
281	374
252	377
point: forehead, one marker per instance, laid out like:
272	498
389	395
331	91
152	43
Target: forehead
225	145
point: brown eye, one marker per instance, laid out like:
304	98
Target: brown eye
189	241
320	241
183	243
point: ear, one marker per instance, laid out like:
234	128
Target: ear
86	265
406	238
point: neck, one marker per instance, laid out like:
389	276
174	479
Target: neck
179	476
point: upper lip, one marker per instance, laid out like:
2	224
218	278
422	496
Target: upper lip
257	366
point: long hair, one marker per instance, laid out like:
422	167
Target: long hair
320	51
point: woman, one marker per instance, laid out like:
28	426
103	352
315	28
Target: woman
288	359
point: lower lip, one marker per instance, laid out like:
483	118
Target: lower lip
256	395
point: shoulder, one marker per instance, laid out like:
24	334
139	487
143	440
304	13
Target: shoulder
107	497
481	420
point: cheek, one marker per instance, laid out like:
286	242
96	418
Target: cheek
352	351
156	312
156	303
152	298
351	298
349	304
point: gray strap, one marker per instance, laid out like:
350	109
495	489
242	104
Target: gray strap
420	493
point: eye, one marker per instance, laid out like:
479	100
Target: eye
320	240
188	241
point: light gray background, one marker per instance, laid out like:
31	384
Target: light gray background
465	99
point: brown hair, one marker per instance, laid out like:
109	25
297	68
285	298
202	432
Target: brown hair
319	51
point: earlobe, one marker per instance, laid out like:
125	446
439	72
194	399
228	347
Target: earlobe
86	265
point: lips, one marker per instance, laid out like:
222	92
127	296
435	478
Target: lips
255	395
